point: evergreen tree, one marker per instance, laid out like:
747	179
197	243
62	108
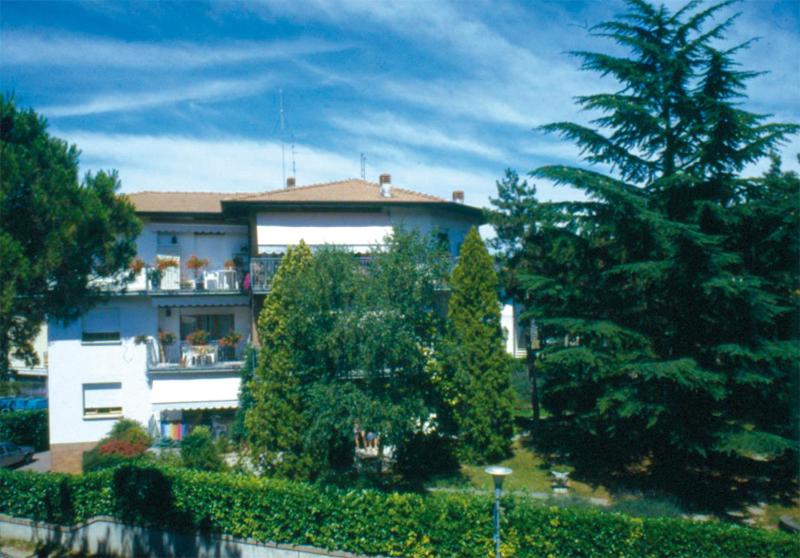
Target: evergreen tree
275	423
239	429
477	362
660	327
57	235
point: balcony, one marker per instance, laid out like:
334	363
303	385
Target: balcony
169	281
185	357
263	269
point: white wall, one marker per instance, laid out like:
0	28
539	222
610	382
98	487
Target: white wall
195	386
73	364
354	228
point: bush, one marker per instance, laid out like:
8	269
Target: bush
130	431
198	451
127	443
367	521
25	428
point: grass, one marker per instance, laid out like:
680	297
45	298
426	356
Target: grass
531	474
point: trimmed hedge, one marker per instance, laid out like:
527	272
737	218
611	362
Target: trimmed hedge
366	521
25	428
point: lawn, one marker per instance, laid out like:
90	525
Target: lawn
531	474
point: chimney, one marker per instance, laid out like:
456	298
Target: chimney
290	182
386	185
458	196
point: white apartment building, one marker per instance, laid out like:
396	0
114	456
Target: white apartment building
206	264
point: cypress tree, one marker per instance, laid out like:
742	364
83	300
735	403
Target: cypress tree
478	365
275	422
660	327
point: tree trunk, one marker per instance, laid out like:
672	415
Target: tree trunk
532	376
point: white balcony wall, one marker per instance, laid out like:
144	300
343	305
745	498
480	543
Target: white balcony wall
196	390
359	229
74	363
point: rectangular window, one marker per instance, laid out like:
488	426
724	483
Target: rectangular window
102	400
101	325
217	325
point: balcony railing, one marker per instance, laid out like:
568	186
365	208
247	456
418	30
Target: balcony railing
169	281
262	270
187	357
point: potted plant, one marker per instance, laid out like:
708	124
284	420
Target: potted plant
196	265
228	344
230	264
197	337
136	266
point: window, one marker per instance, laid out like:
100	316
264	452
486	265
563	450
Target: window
217	325
101	325
102	400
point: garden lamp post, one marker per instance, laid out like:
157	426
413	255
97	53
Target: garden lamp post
498	474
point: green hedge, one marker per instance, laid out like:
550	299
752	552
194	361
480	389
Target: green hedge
366	521
25	428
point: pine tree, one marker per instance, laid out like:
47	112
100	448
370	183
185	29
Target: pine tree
478	365
275	422
644	291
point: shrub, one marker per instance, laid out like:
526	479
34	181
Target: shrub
130	431
25	428
367	521
126	443
198	451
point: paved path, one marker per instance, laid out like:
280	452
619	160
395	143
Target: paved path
40	463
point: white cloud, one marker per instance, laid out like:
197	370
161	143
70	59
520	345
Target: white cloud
391	128
203	91
59	49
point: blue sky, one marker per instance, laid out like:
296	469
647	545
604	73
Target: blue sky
442	95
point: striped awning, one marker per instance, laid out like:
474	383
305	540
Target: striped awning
195	405
196	299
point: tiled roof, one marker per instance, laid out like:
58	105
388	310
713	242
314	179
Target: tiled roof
352	190
180	202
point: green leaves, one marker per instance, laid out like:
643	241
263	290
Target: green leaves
477	367
368	522
667	301
56	234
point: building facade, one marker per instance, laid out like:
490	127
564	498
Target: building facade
168	351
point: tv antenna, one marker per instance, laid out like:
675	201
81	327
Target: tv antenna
363	167
283	137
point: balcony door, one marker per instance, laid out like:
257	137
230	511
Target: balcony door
217	325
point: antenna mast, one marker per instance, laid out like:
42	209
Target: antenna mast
294	168
363	167
283	146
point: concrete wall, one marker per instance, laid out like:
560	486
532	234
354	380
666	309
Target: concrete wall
104	536
361	229
187	387
73	363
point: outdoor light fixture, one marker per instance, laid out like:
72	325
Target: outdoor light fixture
498	474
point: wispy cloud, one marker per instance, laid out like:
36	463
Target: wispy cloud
234	164
120	102
392	129
58	49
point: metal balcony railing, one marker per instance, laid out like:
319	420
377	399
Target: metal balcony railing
184	356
